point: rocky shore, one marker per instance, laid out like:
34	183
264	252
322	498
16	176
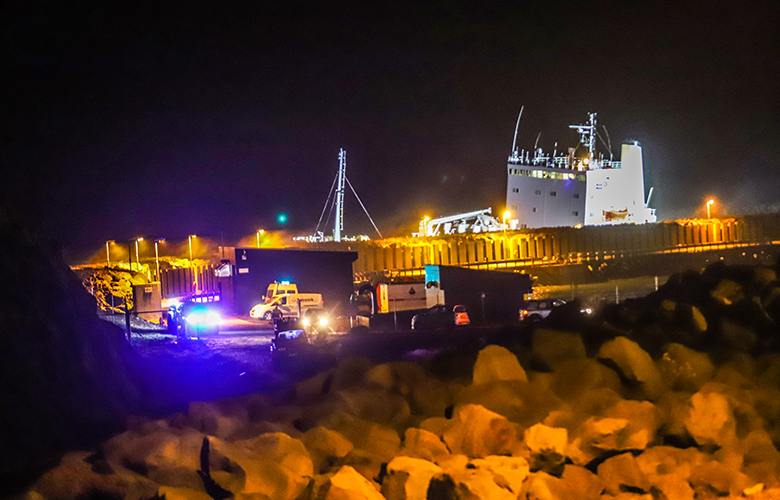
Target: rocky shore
673	396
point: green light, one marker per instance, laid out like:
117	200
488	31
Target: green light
281	218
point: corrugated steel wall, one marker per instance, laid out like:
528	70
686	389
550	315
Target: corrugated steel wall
565	244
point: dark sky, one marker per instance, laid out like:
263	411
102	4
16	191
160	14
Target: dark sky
126	119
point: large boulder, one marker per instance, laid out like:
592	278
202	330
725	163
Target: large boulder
635	366
67	378
497	364
479	432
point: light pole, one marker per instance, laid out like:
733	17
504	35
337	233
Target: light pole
507	214
189	240
157	256
709	204
108	255
195	277
137	257
259	232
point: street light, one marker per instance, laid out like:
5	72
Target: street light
507	214
259	232
709	203
137	257
157	256
195	278
189	241
108	256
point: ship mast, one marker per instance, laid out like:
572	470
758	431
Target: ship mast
588	134
339	223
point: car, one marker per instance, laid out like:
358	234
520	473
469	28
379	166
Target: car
441	316
316	321
537	310
195	316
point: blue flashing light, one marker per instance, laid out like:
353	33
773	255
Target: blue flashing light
281	218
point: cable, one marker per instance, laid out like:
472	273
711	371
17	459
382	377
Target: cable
364	208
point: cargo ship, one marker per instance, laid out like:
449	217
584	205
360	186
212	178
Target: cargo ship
576	187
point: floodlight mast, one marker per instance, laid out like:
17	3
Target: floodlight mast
339	224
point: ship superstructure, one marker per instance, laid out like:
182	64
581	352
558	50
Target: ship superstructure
577	187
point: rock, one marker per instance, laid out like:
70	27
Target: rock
547	447
325	447
347	484
673	486
436	425
209	419
597	436
496	364
471	484
478	432
574	378
171	493
578	479
668	460
543	486
168	456
75	478
727	292
634	365
420	443
622	472
381	441
761	459
276	465
519	402
349	373
314	387
720	478
643	422
375	405
550	348
738	336
683	369
424	394
508	472
710	419
596	401
450	462
407	478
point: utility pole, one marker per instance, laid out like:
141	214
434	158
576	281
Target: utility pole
339	225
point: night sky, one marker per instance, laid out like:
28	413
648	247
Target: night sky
138	119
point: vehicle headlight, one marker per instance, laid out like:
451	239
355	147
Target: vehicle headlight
212	318
306	322
323	321
195	319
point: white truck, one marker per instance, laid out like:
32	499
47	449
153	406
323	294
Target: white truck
286	298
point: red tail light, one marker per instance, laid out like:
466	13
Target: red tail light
462	318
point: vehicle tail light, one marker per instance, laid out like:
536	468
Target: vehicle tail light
524	312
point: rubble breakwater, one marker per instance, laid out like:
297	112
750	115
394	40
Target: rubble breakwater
672	396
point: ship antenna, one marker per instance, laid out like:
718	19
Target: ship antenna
536	142
514	141
609	146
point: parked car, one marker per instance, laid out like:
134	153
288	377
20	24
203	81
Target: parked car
537	310
441	316
194	319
